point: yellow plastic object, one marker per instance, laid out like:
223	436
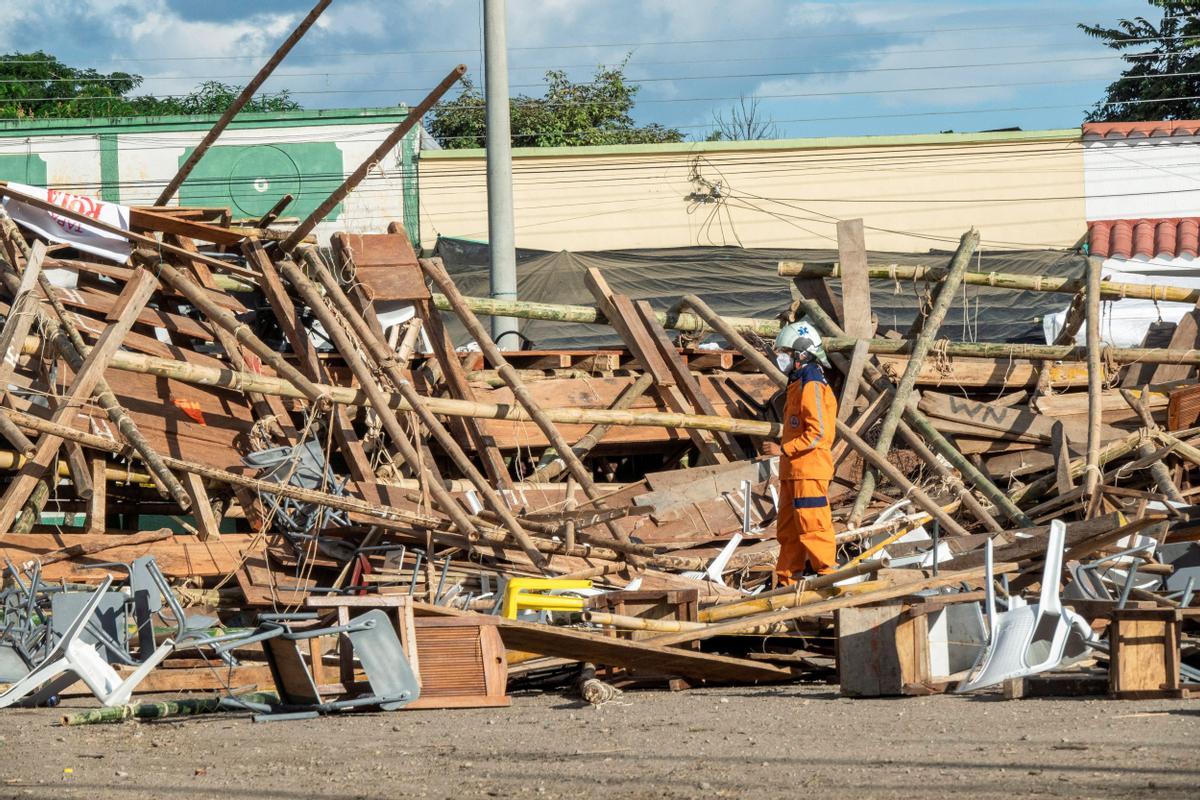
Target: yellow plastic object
521	593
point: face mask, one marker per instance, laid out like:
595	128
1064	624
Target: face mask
784	362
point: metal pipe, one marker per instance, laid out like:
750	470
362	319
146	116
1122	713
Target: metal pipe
501	236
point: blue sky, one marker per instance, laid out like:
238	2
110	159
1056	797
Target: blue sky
820	69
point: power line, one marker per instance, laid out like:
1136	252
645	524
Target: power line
803	73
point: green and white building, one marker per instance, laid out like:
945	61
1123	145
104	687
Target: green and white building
259	158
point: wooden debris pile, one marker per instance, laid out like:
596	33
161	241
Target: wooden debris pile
286	427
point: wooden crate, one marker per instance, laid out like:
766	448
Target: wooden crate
463	663
882	651
1144	653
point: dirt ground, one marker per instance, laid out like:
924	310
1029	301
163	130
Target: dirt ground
793	742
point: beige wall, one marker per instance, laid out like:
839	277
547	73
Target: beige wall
1020	189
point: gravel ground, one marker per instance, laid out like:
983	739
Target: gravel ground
793	742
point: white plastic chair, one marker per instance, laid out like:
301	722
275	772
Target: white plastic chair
1029	639
73	659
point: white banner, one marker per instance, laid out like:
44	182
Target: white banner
61	229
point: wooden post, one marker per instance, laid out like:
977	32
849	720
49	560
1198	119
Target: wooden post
1091	476
339	194
908	381
21	314
392	366
86	379
207	526
246	95
434	270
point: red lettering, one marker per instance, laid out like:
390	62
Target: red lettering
75	202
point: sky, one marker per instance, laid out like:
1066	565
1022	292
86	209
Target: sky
817	69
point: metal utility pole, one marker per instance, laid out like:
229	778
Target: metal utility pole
501	237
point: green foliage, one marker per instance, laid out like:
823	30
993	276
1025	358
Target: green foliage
38	85
595	112
1159	56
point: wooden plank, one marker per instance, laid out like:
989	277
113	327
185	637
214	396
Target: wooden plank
384	264
179	556
207	524
1062	459
856	282
144	220
22	314
625	319
1006	420
598	649
853	378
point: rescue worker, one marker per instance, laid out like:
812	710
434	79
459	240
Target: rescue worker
804	526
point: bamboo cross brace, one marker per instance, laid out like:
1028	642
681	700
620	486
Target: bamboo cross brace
387	360
343	395
912	370
196	295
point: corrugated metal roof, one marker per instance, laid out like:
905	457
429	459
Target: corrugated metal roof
1143	130
1130	238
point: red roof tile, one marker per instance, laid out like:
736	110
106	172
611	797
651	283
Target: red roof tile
1129	238
1135	130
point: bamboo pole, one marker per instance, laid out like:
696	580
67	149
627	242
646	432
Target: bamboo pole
834	343
808	590
377	156
627	623
244	97
378	400
1159	471
69	345
391	364
593	437
1091	475
552	312
823	607
434	270
1110	290
182	707
908	381
269	384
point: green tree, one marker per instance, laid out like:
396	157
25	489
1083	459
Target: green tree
1163	61
37	84
570	113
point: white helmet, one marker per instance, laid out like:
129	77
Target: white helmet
803	337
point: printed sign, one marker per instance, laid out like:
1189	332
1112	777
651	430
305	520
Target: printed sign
58	228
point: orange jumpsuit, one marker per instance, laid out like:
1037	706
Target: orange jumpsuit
804	527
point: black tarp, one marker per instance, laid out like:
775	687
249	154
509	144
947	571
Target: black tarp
744	283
